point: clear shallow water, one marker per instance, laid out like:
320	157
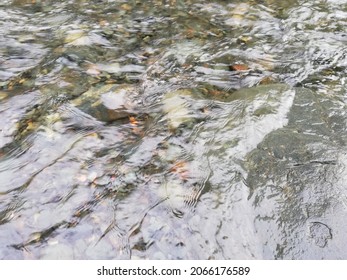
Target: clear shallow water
172	130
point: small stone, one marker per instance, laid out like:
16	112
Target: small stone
93	70
114	100
244	39
102	181
267	80
52	118
82	41
112	68
3	95
26	38
73	35
126	7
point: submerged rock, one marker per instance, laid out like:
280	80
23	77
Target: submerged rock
81	38
175	106
107	103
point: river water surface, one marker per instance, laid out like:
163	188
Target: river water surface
173	129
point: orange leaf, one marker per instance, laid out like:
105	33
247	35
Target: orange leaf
133	121
216	92
238	67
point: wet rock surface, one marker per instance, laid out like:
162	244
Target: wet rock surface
108	103
296	171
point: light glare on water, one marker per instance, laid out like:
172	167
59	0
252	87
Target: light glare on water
173	129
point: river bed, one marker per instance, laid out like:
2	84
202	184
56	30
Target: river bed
173	129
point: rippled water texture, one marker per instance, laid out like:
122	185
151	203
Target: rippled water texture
173	129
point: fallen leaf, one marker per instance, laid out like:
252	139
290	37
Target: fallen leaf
181	169
133	121
126	7
205	110
215	92
103	23
244	39
93	70
238	67
30	125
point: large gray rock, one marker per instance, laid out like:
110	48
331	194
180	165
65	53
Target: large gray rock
296	178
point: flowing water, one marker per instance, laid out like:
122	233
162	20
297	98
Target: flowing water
173	129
